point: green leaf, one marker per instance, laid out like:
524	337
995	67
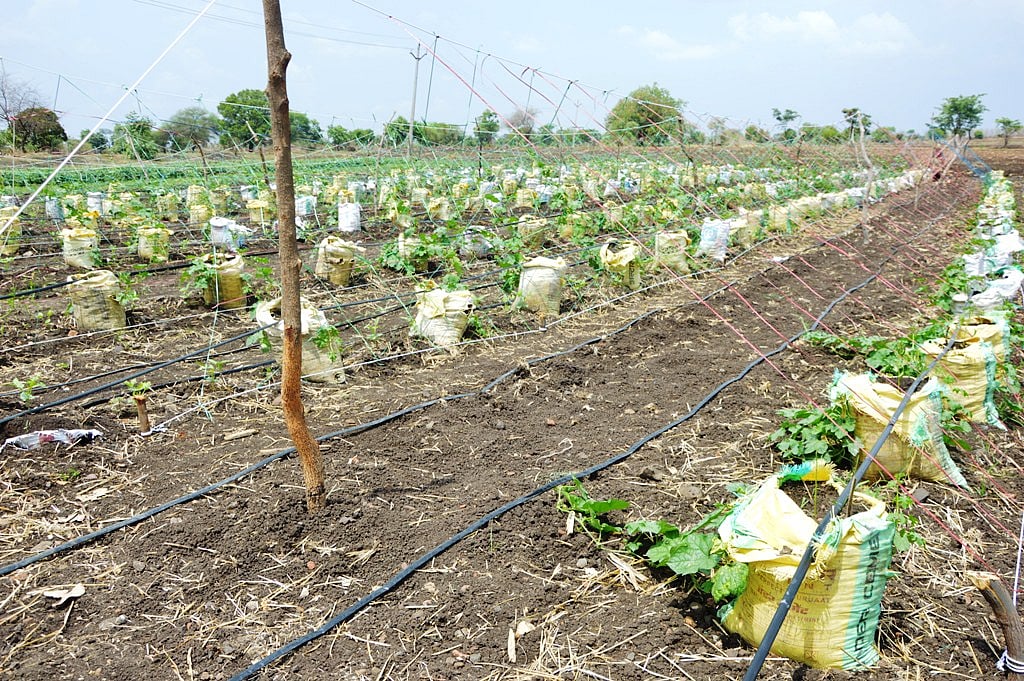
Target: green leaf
660	527
729	581
600	507
900	542
685	555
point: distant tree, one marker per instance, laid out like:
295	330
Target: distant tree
245	119
885	134
396	131
99	140
855	119
486	126
135	138
38	128
1007	128
350	140
820	134
575	136
437	134
716	130
647	115
188	128
958	116
784	118
753	133
15	96
546	135
304	130
522	121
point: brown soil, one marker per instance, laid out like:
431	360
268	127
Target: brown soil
206	588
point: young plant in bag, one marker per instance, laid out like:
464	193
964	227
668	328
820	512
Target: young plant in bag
814	433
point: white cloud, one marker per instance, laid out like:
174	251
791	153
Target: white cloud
879	34
813	27
869	34
664	47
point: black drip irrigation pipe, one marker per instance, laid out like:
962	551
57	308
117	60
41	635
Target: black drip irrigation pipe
147	270
481	522
111	384
351	430
84	539
192	379
155	367
811	551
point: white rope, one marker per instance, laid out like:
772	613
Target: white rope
1009	664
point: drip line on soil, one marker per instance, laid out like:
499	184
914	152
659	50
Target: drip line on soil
84	539
481	522
398	414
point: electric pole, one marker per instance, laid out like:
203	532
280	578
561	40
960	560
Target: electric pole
415	79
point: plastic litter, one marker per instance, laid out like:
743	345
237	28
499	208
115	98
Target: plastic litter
40	437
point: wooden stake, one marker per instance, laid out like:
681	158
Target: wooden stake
291	360
140	406
998	598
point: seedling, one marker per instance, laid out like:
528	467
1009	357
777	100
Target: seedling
26	387
328	339
139	391
813	433
574	498
693	553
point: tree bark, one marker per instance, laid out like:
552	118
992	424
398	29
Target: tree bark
998	598
291	360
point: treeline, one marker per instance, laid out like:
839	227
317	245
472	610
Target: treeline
648	116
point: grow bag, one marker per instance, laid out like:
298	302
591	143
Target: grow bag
441	316
915	446
80	247
94	303
834	615
335	259
540	286
321	363
670	251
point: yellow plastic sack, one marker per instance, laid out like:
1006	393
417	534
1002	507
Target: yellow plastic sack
915	446
993	329
833	618
970	371
670	250
442	316
540	286
622	260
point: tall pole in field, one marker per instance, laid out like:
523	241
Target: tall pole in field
290	264
415	79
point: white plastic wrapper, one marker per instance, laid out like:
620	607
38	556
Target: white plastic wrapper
714	239
40	437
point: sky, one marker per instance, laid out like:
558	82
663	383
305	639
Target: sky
568	60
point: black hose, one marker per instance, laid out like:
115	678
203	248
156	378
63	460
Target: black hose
481	522
120	381
351	430
74	543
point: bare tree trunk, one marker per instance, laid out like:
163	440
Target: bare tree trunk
998	598
291	362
